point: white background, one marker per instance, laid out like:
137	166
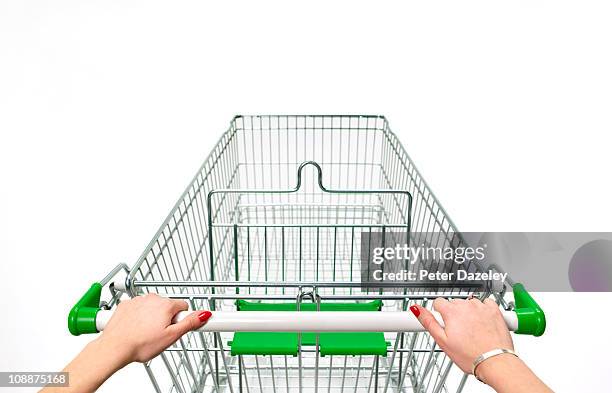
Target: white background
108	108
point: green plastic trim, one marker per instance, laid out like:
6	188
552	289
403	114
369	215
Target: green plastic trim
330	343
82	317
244	305
531	319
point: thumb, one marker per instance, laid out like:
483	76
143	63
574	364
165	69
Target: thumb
430	323
193	321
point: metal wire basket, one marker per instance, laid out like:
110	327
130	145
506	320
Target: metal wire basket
276	215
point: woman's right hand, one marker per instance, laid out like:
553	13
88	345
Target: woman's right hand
471	328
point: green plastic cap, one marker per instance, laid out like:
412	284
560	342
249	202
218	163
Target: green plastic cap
82	317
531	319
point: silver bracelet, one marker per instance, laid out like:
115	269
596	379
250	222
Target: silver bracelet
488	355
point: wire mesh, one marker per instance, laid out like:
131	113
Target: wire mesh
243	220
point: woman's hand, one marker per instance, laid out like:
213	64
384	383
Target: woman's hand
142	327
471	328
138	331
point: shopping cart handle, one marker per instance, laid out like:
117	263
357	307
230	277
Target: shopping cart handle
310	321
527	318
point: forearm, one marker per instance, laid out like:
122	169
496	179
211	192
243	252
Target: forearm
508	374
94	365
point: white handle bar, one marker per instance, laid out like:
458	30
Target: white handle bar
310	321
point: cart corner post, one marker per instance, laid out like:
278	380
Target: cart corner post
82	317
531	318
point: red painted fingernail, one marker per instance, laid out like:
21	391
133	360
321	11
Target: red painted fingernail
204	315
415	311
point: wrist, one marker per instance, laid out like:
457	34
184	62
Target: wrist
110	354
94	365
494	369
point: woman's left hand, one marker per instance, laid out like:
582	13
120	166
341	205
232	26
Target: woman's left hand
142	327
139	330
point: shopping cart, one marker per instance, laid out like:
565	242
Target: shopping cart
267	236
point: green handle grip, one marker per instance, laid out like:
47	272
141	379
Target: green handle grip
82	317
531	319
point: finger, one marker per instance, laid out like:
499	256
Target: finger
178	306
442	305
490	302
193	321
430	323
